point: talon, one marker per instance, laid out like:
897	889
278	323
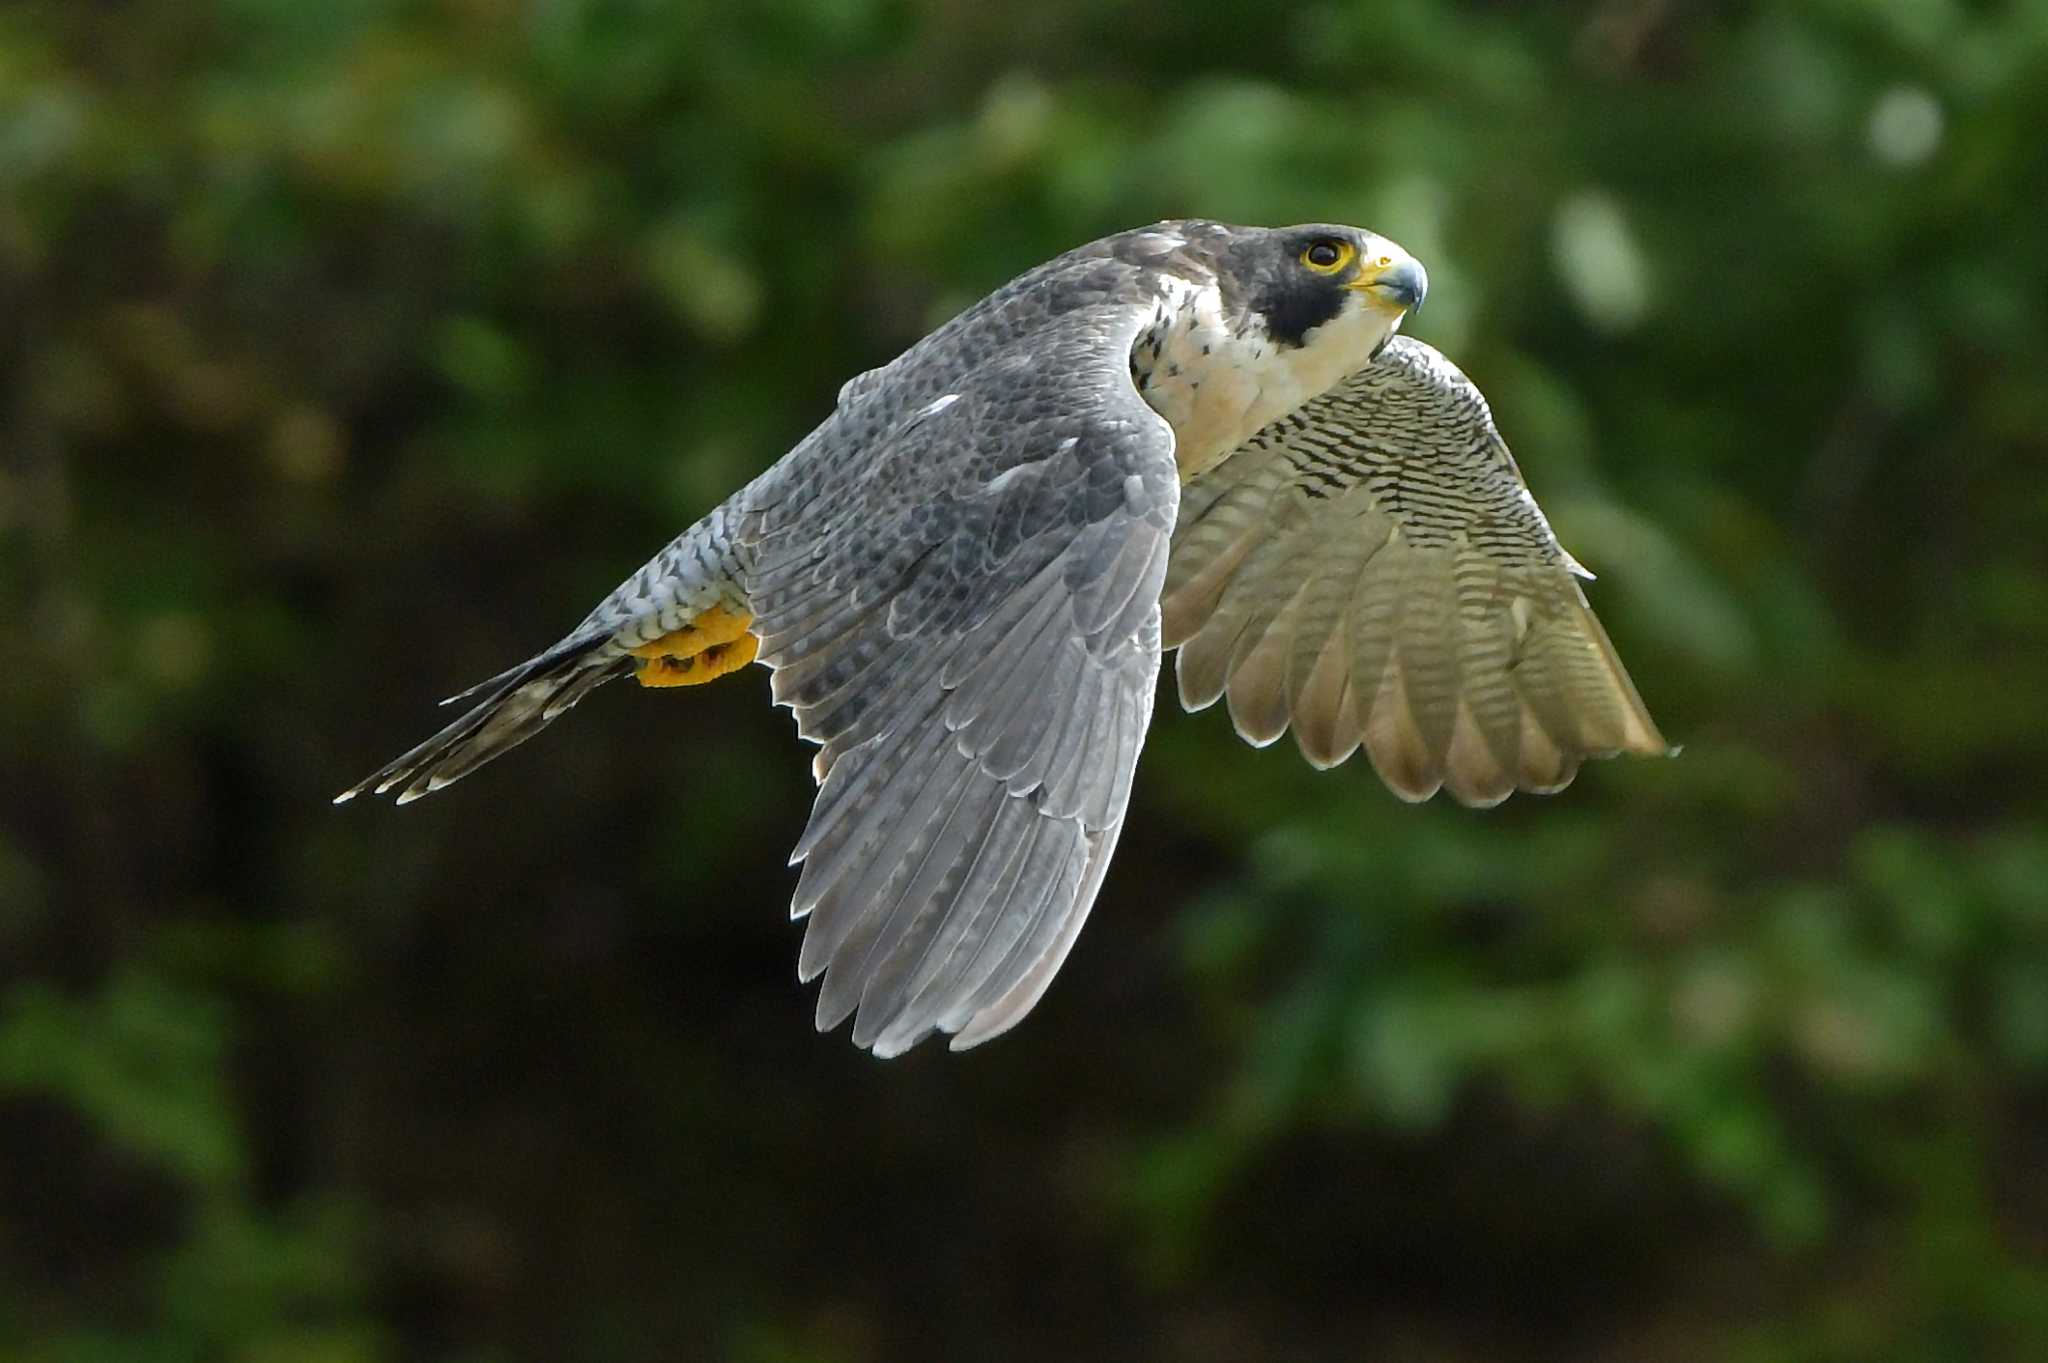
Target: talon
715	626
707	648
666	671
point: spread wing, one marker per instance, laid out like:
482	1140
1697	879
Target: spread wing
1373	570
970	628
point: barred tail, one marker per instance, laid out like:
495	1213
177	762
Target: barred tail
681	619
516	705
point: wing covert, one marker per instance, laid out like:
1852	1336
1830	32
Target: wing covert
1373	571
970	629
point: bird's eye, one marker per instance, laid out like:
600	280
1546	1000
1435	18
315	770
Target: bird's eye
1325	256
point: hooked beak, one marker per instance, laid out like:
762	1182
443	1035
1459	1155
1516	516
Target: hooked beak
1401	285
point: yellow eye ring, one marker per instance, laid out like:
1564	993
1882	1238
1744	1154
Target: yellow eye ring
1326	255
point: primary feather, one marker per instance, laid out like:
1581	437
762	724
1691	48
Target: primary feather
1190	436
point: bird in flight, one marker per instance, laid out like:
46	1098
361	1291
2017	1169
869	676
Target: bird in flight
1189	436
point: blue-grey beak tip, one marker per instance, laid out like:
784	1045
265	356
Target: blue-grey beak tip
1406	283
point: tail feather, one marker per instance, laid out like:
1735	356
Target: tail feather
516	705
491	684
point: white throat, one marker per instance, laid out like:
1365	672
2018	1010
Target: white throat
1216	388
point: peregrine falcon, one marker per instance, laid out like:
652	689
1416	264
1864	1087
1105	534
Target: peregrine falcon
1188	436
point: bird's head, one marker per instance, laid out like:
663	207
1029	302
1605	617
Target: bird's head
1339	290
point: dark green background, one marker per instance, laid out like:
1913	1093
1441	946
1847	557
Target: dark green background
349	350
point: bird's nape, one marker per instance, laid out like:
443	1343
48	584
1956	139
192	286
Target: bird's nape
1187	436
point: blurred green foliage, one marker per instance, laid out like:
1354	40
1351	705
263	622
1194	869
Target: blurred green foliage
348	350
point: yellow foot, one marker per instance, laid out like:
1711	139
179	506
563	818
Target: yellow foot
710	646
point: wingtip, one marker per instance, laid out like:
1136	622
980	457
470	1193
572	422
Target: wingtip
977	1032
1645	739
900	1038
